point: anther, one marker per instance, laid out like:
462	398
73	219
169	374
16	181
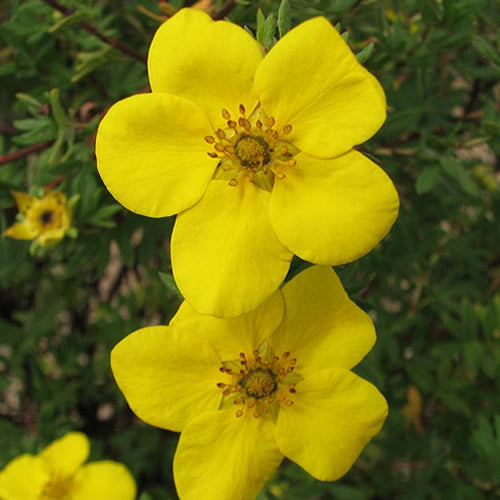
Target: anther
292	163
237	401
233	182
258	124
226	392
239	413
225	114
270	122
222	369
221	384
293	390
280	175
276	135
229	149
221	134
242	109
209	139
285	354
212	155
242	355
256	414
287	129
289	402
283	150
293	361
219	147
231	124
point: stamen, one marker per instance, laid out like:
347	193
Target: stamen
287	129
283	150
225	114
239	413
280	175
221	384
219	147
233	182
209	139
271	121
221	134
292	163
242	109
212	155
231	124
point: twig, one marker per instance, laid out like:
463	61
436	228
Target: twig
225	10
97	33
24	152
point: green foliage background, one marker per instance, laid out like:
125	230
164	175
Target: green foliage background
432	285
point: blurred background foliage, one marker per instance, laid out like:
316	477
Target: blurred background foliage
432	286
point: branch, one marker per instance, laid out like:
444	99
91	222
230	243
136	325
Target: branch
224	11
24	152
97	33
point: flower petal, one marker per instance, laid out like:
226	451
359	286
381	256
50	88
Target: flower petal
48	238
334	415
211	63
23	201
231	336
104	480
151	153
311	80
333	211
23	230
168	376
221	456
226	257
65	455
23	478
322	327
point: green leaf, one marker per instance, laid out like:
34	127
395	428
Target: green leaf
363	55
284	21
69	21
486	49
454	169
427	179
267	32
261	20
169	282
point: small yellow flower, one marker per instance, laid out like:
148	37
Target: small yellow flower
59	473
247	391
45	220
254	153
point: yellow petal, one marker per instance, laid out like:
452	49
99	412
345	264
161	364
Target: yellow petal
334	415
152	155
104	480
23	201
48	238
333	211
226	257
23	478
220	456
211	63
311	80
23	230
167	375
65	455
322	327
231	336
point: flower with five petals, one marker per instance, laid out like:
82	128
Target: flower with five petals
45	220
254	153
59	473
247	391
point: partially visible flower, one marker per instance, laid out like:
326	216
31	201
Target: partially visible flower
45	220
59	473
245	392
255	154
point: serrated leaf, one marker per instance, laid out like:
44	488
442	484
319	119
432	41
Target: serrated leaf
427	179
260	25
268	32
284	21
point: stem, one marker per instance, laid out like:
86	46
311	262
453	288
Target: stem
96	32
225	10
24	152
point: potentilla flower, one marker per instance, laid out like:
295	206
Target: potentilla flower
254	153
45	219
59	473
247	391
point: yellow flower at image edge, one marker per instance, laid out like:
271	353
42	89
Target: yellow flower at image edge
45	219
247	391
59	473
254	153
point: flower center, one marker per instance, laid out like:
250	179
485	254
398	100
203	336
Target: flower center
260	383
57	488
252	147
252	151
46	217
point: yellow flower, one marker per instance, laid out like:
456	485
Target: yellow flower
247	391
59	473
254	153
45	220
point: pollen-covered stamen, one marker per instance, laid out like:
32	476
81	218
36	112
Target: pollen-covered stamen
260	382
251	146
